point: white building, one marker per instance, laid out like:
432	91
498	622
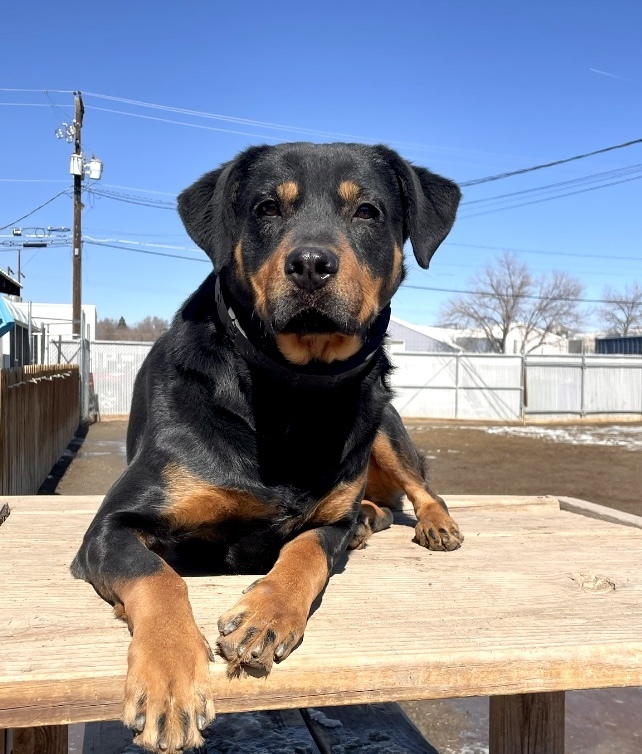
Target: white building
57	320
405	336
36	327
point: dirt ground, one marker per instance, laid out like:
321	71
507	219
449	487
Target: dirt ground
593	463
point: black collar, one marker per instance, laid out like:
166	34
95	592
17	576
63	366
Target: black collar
317	377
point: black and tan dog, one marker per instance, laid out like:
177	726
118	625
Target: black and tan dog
261	435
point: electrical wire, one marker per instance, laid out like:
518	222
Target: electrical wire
492	294
586	179
607	257
41	91
550	198
44	204
183	123
404	285
172	247
521	171
146	251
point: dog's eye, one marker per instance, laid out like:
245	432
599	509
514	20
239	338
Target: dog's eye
366	212
268	209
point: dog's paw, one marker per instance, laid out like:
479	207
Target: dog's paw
167	694
361	535
264	626
437	531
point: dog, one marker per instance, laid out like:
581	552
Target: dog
261	437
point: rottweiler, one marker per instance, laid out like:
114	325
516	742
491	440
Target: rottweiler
261	438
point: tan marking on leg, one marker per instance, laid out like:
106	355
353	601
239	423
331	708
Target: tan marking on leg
349	191
167	692
194	503
269	620
338	503
326	347
389	473
288	192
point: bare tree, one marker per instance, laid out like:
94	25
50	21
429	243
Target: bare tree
148	329
506	297
621	314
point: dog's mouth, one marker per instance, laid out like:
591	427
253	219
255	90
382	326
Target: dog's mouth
311	322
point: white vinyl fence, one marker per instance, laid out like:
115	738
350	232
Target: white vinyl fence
435	385
510	388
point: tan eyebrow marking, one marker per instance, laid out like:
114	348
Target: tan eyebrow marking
288	192
349	191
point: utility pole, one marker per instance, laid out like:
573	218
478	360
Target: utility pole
77	236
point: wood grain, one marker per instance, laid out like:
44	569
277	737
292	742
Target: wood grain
511	612
48	739
527	724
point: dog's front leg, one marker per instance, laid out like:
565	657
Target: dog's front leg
167	692
268	622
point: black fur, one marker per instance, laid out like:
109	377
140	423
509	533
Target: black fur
198	403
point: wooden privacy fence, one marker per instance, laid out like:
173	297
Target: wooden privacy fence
39	410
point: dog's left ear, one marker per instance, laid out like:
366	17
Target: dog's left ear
430	205
206	214
207	207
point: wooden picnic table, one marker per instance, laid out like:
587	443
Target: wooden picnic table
539	600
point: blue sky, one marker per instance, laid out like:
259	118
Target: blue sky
467	88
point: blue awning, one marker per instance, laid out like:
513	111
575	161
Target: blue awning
6	318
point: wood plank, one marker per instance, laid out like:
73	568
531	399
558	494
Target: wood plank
47	739
51	504
373	727
533	602
601	512
527	724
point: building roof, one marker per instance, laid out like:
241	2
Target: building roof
9	285
19	315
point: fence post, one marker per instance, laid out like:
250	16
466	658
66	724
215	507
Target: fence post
457	357
582	388
522	392
29	333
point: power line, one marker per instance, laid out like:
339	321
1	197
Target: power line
404	286
550	198
521	171
590	178
490	294
145	251
131	199
44	204
27	104
140	243
183	123
545	253
40	91
260	124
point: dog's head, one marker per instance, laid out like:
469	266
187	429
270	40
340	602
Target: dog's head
309	237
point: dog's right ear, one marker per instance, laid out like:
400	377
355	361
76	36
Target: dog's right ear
206	211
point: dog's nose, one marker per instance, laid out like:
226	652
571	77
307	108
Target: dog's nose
311	267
